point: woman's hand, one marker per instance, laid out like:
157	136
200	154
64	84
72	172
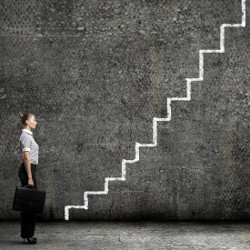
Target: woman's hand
30	182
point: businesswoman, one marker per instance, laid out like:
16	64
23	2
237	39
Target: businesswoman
27	171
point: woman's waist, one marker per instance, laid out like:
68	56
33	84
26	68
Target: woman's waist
32	164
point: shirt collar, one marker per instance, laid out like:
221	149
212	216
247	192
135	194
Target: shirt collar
27	131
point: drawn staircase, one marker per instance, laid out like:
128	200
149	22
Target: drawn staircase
168	118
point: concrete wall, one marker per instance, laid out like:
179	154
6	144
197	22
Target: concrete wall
95	73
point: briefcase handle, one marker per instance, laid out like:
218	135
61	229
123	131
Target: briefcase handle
28	186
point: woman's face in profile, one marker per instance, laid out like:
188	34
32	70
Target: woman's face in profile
32	122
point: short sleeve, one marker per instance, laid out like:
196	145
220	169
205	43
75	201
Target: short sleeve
25	143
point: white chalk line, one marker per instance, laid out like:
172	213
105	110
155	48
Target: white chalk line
168	118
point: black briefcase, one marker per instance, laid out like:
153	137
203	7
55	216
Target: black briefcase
29	199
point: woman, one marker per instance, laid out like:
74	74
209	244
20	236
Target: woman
27	172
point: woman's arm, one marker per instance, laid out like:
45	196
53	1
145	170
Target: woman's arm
27	165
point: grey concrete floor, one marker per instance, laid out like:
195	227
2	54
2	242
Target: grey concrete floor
129	235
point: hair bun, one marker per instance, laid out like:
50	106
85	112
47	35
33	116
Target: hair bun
21	115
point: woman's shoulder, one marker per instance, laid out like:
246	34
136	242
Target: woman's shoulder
25	136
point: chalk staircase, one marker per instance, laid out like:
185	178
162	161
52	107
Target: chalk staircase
168	118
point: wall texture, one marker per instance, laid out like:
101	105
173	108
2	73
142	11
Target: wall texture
95	73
